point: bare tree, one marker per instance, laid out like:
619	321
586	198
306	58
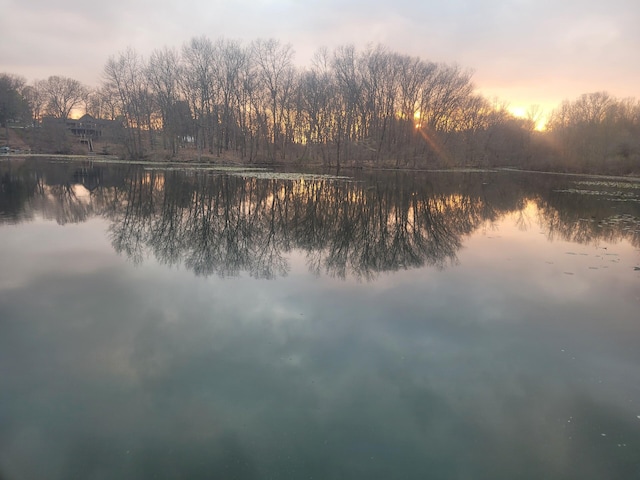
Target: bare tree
534	116
62	95
199	87
104	102
596	132
124	79
246	105
163	73
381	89
275	72
230	60
445	91
349	99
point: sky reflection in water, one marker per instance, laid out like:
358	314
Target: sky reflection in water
517	359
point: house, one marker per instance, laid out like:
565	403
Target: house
86	128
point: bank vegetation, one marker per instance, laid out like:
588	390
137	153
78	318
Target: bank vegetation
225	101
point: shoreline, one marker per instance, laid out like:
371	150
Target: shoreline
226	164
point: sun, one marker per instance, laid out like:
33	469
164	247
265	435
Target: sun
417	117
533	113
518	111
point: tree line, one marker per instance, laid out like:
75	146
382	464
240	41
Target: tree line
370	107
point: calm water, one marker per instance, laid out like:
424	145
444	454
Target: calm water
172	323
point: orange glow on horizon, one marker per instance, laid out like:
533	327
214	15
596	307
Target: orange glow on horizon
526	112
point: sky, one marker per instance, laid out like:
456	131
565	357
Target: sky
522	52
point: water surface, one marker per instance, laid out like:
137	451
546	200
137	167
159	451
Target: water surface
194	323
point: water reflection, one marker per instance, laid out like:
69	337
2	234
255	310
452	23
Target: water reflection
224	224
503	367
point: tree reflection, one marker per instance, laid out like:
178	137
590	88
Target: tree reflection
228	223
580	216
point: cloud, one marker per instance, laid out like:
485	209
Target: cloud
541	51
126	372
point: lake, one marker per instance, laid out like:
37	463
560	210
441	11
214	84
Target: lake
162	322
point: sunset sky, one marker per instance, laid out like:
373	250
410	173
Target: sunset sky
523	52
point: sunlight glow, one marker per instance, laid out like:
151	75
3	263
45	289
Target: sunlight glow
528	112
541	125
518	111
417	119
436	145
